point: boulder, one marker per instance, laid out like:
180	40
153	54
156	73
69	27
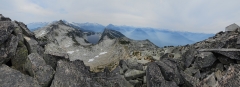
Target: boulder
189	81
74	74
232	27
155	78
6	29
123	65
8	49
38	69
205	59
12	78
189	57
25	30
12	44
132	74
170	71
133	64
33	46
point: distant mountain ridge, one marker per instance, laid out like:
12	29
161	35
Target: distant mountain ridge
159	37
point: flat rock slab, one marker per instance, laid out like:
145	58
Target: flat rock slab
13	78
231	53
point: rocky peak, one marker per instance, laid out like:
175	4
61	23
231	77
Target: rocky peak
2	18
111	34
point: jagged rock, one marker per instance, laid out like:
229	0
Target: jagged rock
135	83
225	60
232	27
189	80
189	57
231	78
170	71
132	74
123	65
205	59
72	74
230	53
38	69
238	42
20	57
33	46
25	30
2	18
111	34
8	49
133	64
210	81
51	59
13	78
155	78
6	29
12	46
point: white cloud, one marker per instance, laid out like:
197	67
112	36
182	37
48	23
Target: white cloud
181	15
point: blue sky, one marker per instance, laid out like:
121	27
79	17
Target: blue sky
207	16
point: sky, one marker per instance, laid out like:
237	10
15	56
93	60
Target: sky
203	16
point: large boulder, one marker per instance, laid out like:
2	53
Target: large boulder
205	59
155	78
6	29
232	27
33	46
38	69
74	74
170	71
132	74
12	78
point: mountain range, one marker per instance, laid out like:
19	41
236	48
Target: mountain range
160	37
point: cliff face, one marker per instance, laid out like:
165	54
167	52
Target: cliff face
57	55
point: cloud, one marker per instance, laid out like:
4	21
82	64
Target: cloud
180	15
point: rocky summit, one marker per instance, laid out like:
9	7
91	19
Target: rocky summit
59	55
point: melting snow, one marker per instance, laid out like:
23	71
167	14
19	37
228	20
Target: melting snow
102	53
70	52
90	60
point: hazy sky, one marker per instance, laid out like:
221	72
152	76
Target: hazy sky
209	16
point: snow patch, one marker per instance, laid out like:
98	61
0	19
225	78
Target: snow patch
70	52
97	56
90	60
42	33
102	53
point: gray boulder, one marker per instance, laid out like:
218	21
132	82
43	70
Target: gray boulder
33	46
232	27
170	71
189	81
6	29
205	59
155	78
132	74
13	78
74	74
38	69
